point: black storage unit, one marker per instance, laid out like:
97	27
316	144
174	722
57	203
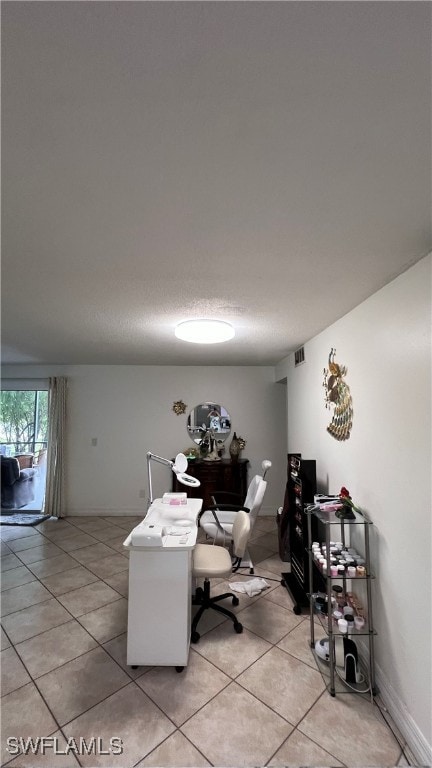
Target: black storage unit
293	528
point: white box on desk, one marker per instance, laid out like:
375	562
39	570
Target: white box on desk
148	535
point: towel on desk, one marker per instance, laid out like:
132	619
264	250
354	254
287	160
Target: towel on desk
250	588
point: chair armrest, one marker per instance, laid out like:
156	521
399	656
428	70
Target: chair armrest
220	508
227	508
227	497
217	521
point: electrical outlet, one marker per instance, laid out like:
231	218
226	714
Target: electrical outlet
142	494
94	441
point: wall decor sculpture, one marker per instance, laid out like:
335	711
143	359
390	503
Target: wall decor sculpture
179	407
338	397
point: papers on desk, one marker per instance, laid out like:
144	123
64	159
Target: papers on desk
152	535
173	531
147	534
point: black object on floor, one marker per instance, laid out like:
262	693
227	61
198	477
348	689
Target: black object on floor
295	590
21	518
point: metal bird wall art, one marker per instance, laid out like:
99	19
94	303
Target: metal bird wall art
338	398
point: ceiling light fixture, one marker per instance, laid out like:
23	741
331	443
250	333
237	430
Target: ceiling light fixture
204	331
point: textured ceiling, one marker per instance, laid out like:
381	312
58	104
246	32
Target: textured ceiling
264	163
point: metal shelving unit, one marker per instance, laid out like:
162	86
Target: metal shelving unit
347	532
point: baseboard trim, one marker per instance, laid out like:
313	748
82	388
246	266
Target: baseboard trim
416	742
267	512
105	512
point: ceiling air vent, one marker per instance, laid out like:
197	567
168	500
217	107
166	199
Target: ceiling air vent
299	356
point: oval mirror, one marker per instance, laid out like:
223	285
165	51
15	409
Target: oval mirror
208	416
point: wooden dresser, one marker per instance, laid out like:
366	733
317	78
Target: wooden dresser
223	475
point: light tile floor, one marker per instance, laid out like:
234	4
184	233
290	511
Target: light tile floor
254	699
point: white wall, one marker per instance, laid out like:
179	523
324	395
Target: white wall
129	410
386	464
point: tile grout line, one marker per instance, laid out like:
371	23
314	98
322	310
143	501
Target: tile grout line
58	601
235	680
296	728
135	680
98	645
79	564
230	681
34	681
53	597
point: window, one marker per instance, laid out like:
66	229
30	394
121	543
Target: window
24	434
24	422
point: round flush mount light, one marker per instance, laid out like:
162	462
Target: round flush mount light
204	331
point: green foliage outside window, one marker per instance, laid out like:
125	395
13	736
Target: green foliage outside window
24	420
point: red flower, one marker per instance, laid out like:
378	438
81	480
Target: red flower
347	505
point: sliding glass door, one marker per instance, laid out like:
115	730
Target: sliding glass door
23	435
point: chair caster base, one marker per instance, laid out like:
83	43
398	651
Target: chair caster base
238	628
198	596
195	636
235	601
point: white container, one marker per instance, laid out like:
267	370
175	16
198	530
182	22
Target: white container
175	499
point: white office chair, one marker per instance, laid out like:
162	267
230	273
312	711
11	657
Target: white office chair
218	520
216	562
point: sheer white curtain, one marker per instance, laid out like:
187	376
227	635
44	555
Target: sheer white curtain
54	498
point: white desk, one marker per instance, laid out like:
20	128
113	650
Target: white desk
160	585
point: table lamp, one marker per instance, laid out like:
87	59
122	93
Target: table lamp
178	466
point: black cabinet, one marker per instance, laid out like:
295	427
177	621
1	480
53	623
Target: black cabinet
223	475
293	527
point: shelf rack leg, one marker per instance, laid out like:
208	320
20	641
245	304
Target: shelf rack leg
311	603
370	616
331	638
